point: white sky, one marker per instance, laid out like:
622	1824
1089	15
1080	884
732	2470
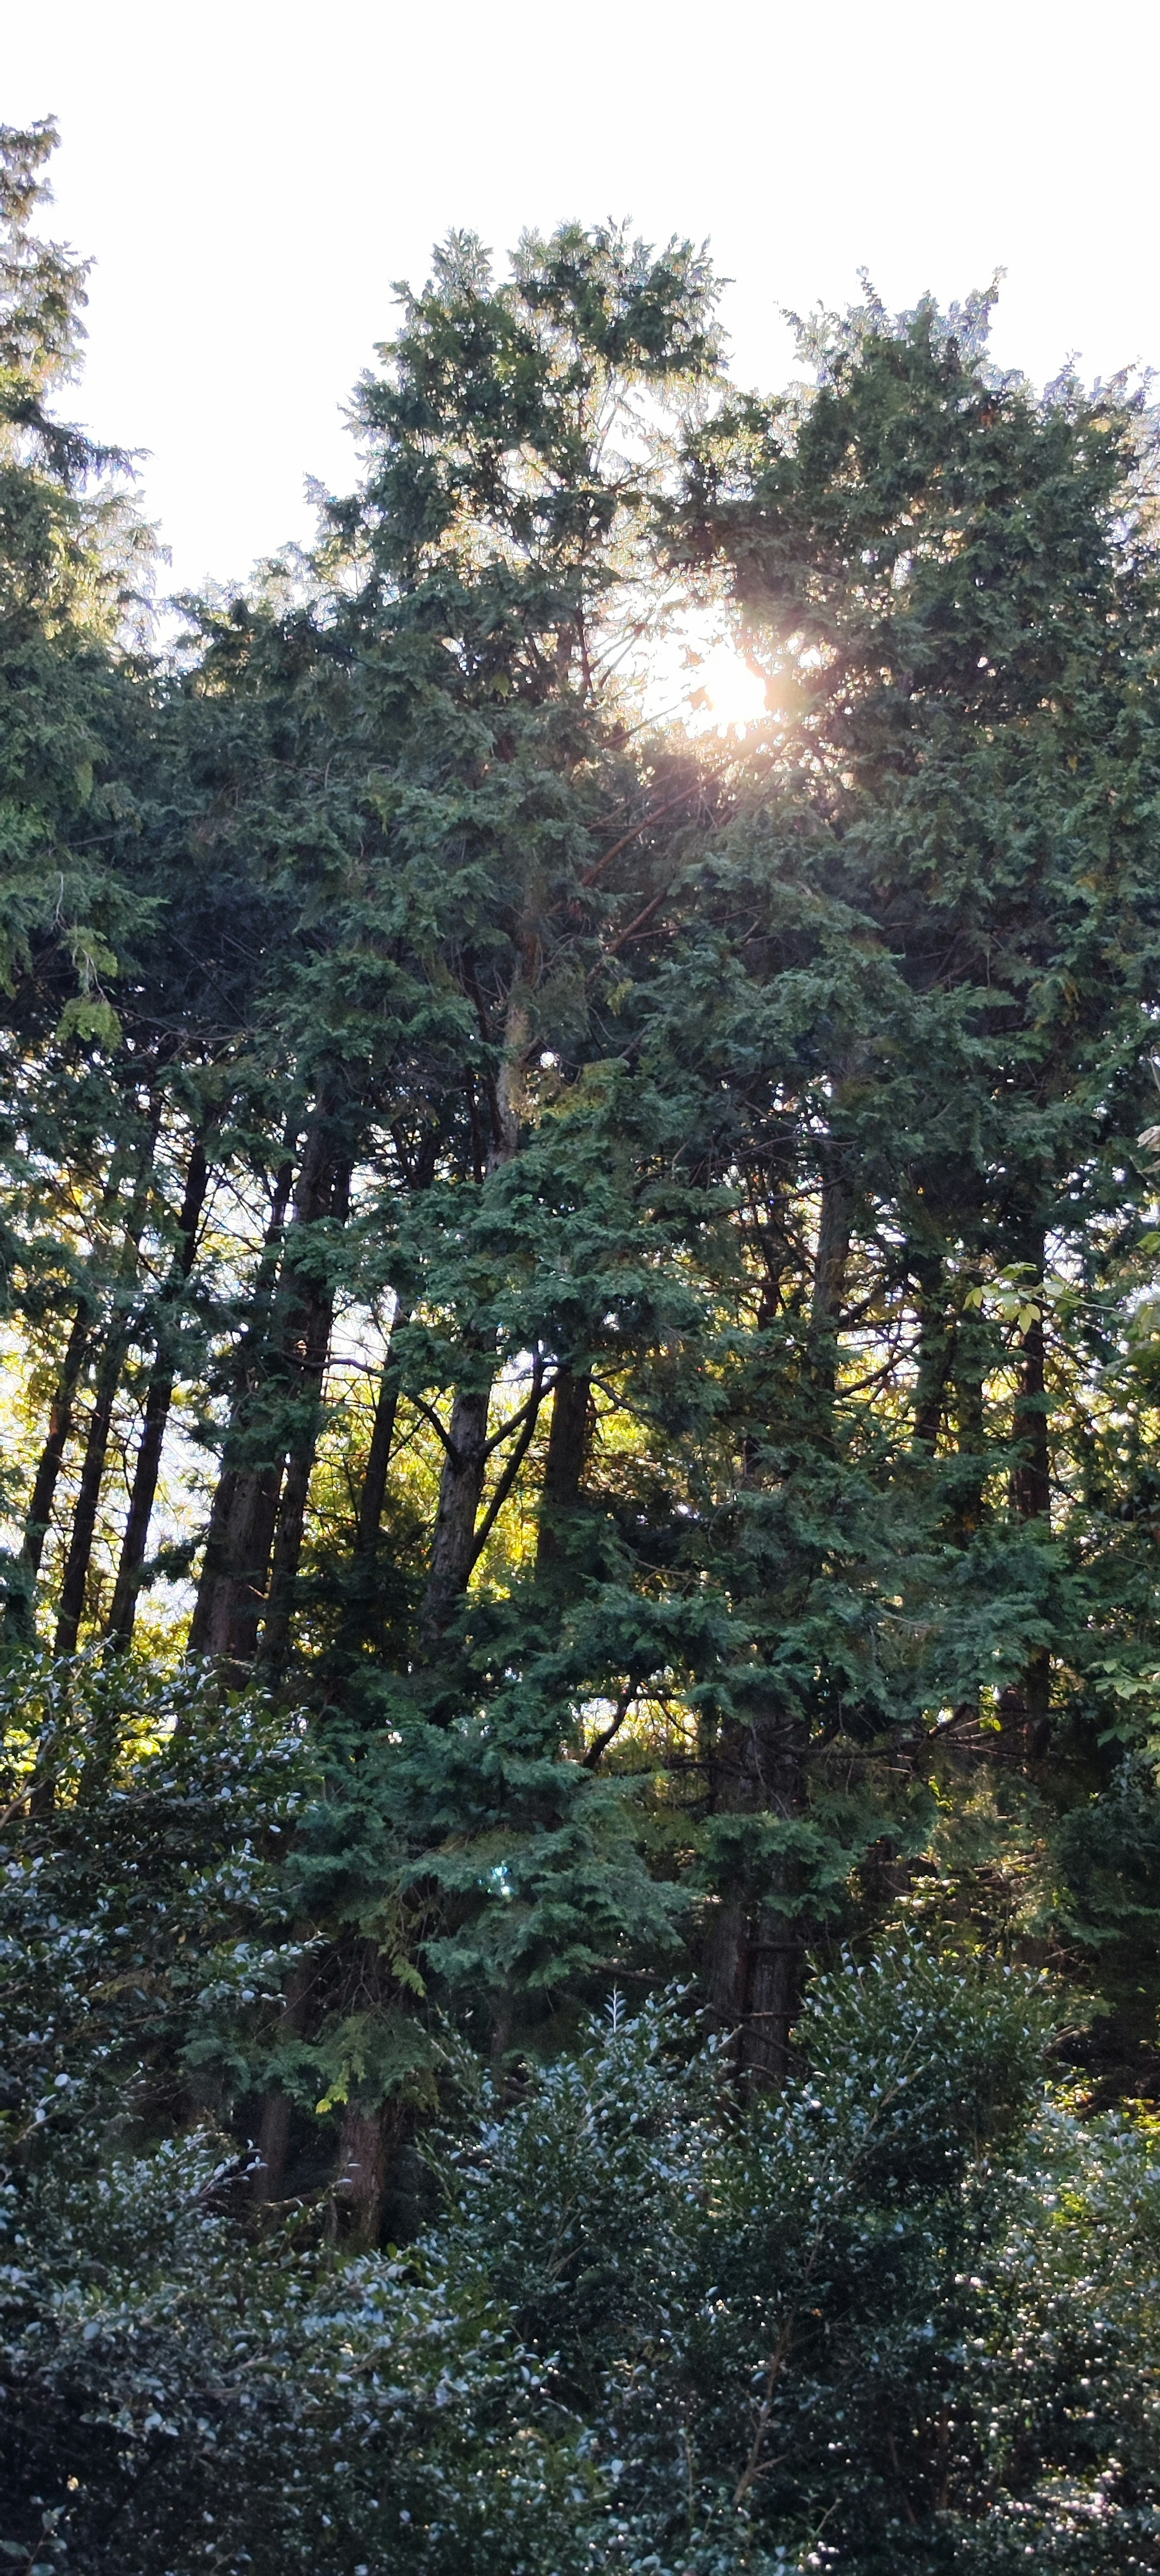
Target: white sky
251	177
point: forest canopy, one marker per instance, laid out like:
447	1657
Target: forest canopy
580	1660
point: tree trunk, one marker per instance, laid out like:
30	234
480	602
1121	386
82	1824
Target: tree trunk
453	1547
969	1364
374	1484
310	1349
1027	1706
1031	1474
568	1438
935	1351
267	2181
835	1226
19	1619
242	1501
70	1609
364	2154
157	1404
755	1952
460	1492
123	1323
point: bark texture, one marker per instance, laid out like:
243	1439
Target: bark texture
569	1434
276	1415
756	1941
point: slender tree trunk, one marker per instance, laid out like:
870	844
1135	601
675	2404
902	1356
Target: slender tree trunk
122	1325
19	1619
1028	1705
70	1609
373	1495
967	1382
453	1548
935	1351
835	1227
568	1437
157	1404
1031	1474
311	1350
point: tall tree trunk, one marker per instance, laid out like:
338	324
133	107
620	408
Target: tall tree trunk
277	1415
310	1350
230	1539
935	1350
268	2179
969	1364
123	1323
19	1619
19	1616
460	1493
835	1227
453	1544
70	1609
1031	1473
568	1437
373	1495
1027	1706
157	1403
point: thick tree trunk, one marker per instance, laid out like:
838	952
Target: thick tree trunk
755	1950
269	2173
568	1437
157	1403
268	2179
281	1431
229	1628
460	1494
245	1500
364	2160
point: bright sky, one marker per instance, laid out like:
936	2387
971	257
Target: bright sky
251	175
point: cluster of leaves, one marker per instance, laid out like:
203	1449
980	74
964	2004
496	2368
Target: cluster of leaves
899	2318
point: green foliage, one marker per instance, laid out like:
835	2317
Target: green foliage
898	2318
590	1289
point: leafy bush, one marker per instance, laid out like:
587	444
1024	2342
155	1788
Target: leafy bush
897	2318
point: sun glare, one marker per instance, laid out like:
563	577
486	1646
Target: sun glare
728	696
699	679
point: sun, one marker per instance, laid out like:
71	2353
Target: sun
698	679
728	697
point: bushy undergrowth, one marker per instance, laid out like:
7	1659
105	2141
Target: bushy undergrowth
898	2318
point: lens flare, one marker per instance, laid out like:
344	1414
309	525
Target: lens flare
728	694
